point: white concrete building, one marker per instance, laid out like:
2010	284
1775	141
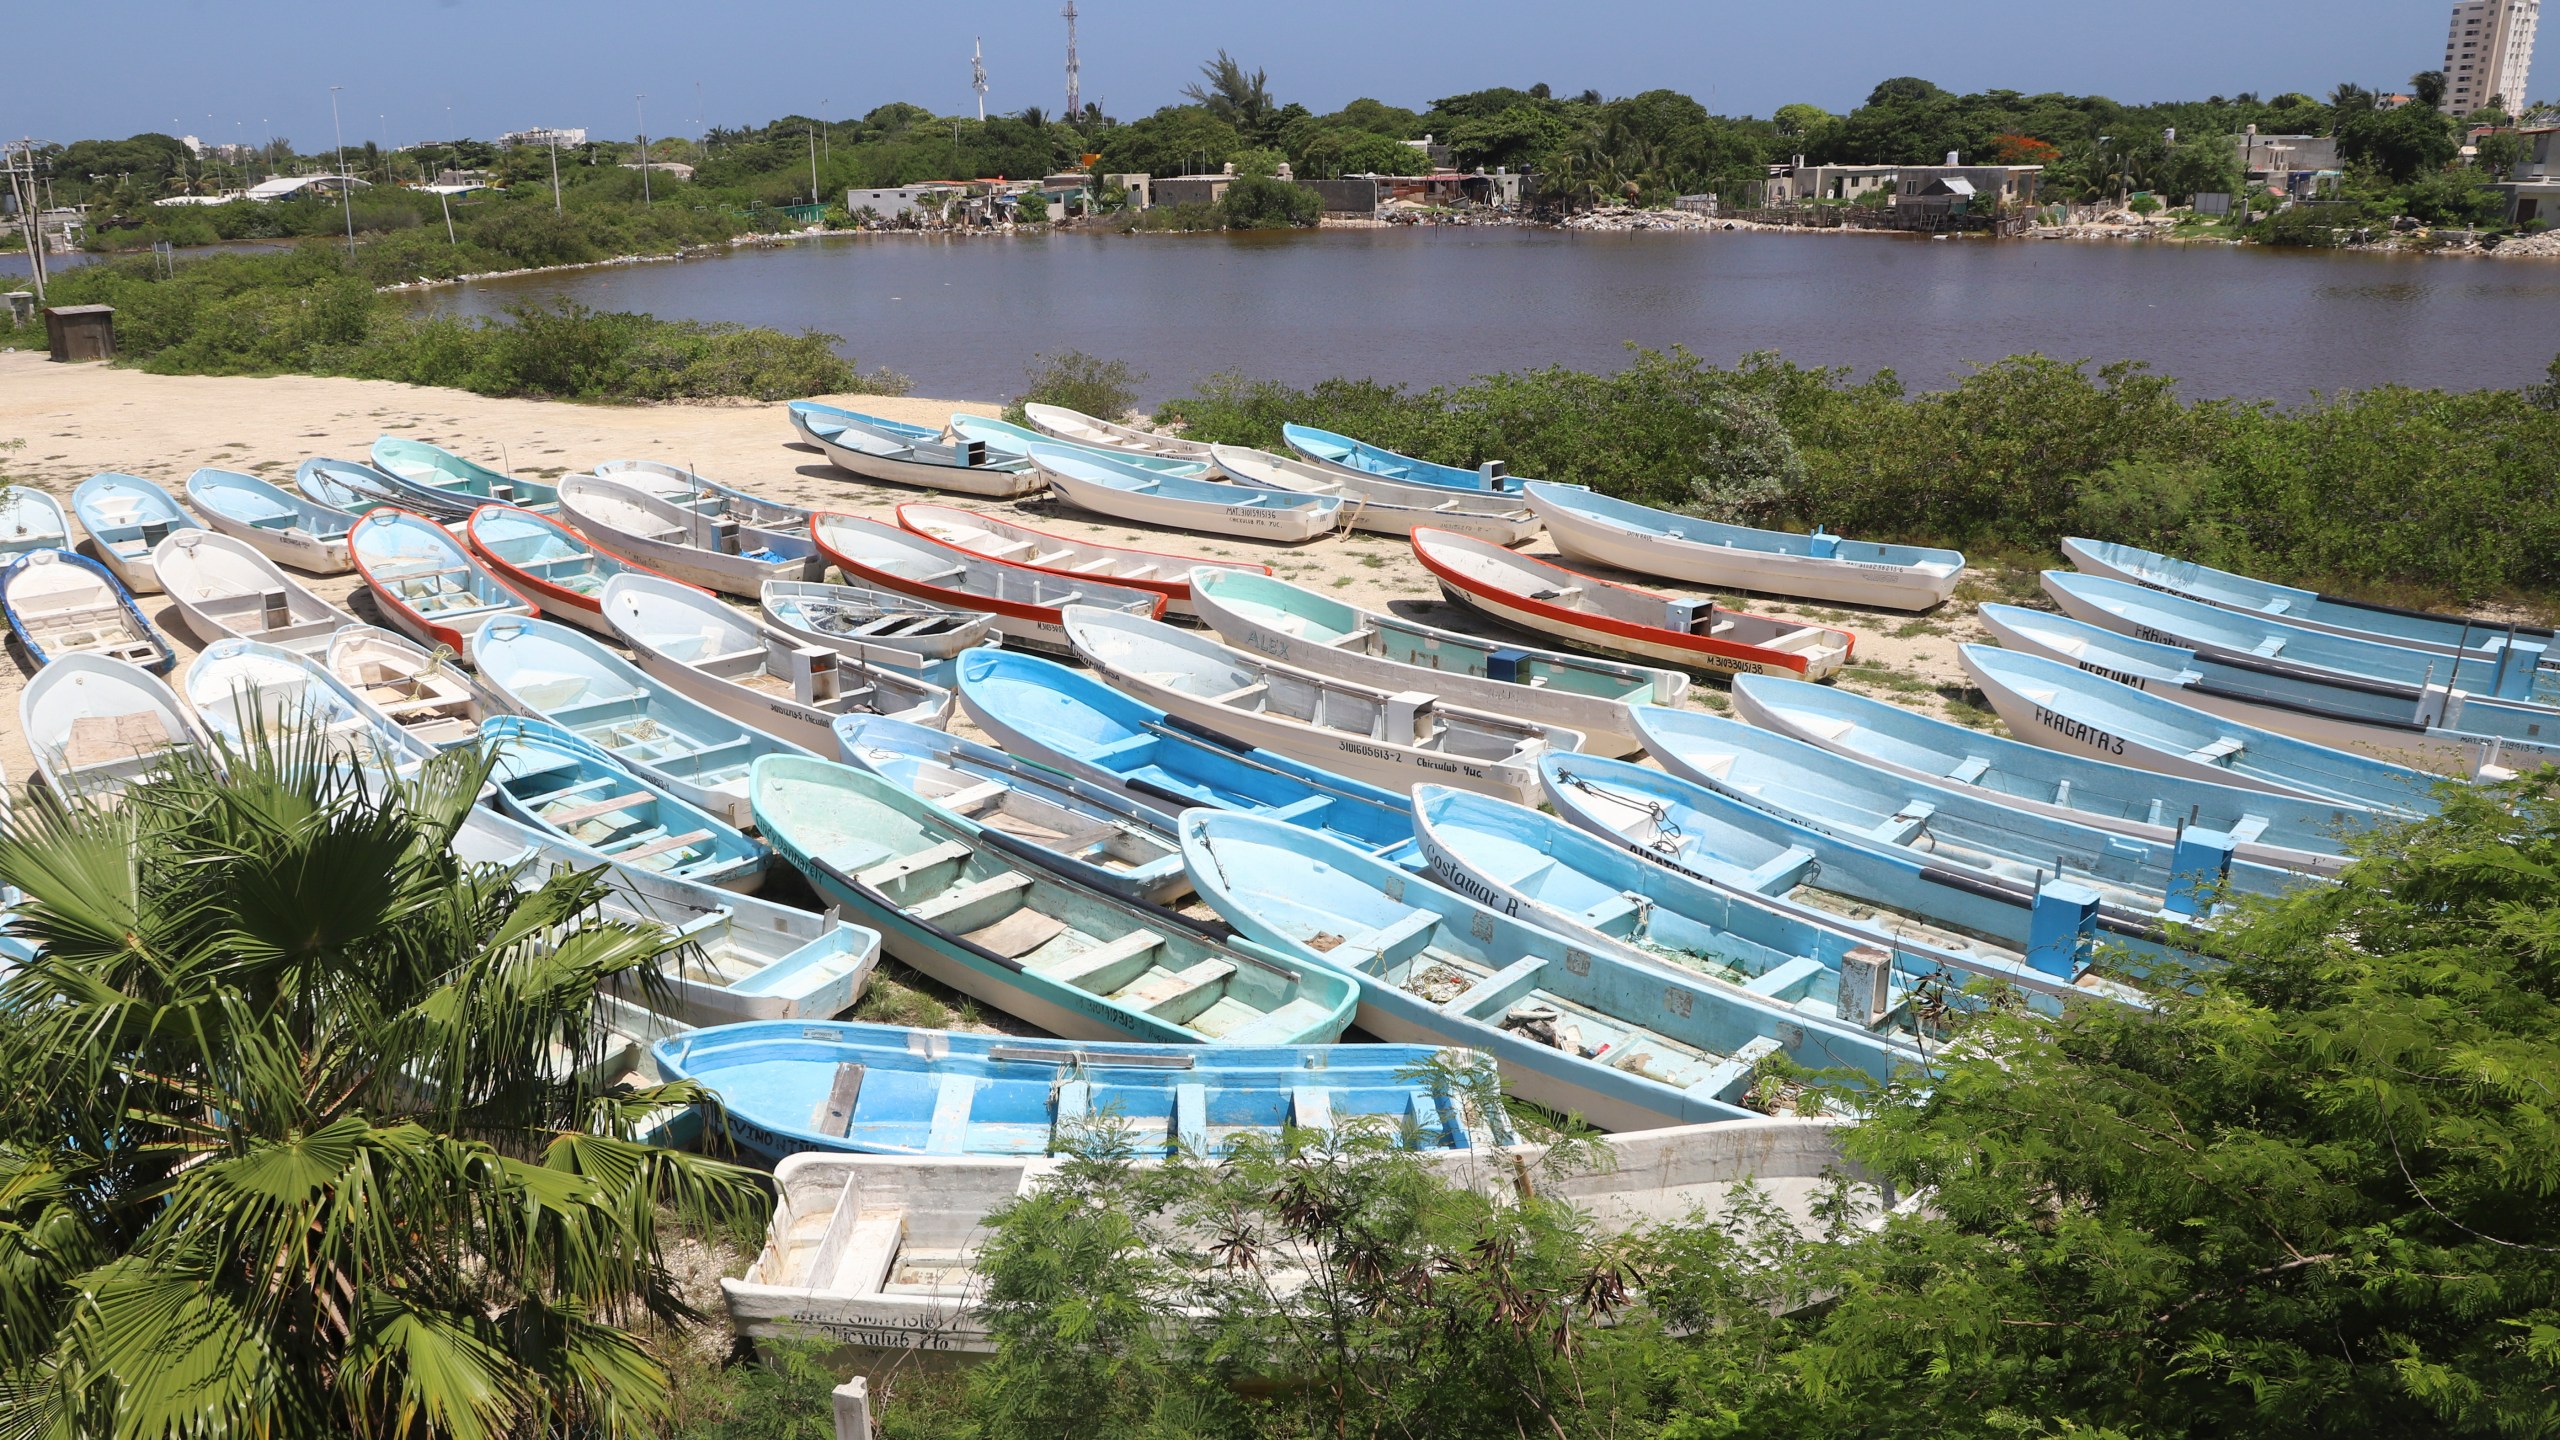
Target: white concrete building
2488	54
544	135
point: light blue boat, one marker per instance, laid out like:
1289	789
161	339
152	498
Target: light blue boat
897	453
2495	664
355	488
2068	708
1014	442
2434	728
1069	719
2045	942
1532	866
1588	526
1626	1046
273	521
703	495
127	517
30	519
977	913
2390	624
556	782
889	1090
547	669
2141	880
1090	833
560	571
1359	457
2274	830
416	465
1111	486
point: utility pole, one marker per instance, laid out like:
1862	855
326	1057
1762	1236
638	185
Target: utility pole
28	221
555	167
640	107
813	164
978	75
1075	93
346	191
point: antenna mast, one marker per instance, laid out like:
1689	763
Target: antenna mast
978	75
1075	95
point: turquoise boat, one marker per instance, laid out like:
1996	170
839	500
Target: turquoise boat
1624	1045
889	1090
1068	719
1359	457
417	465
1111	486
2274	830
1010	442
977	912
558	783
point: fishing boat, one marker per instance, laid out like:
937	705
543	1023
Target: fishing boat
1090	833
426	584
1122	491
309	537
878	626
127	517
2062	707
425	693
714	551
354	487
891	1090
1588	526
896	453
993	537
703	495
2417	629
2423	727
223	586
542	668
556	782
1624	1045
1014	442
743	959
1044	711
560	570
243	689
1534	867
2269	829
1309	631
96	725
721	657
2046	945
1359	457
31	520
1022	604
61	603
1389	738
1645	625
2493	669
1077	428
1383	506
2143	880
976	913
417	465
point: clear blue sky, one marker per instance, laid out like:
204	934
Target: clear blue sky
114	67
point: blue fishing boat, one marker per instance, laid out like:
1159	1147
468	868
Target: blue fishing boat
978	913
355	488
1534	867
271	521
2077	711
2430	728
426	584
1067	718
2142	880
561	571
2046	943
1359	457
127	517
547	669
2390	624
415	465
897	453
1626	1046
2275	830
889	1090
554	781
1111	485
1587	525
1090	833
1014	442
61	602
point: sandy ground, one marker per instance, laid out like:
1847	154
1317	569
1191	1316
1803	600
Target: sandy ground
77	420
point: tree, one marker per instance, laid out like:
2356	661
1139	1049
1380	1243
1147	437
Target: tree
2400	143
1259	202
1240	99
1799	120
306	1136
1171	142
2500	153
2427	88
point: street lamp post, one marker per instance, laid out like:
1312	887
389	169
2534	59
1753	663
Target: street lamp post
639	106
555	169
346	192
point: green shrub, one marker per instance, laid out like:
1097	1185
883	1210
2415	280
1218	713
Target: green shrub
1104	389
1259	202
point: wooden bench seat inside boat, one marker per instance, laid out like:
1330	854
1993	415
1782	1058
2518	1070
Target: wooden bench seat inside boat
107	739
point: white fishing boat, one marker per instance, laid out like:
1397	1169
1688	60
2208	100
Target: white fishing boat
1383	506
61	602
31	520
1023	604
1586	525
126	516
1077	428
96	725
275	522
896	453
764	678
997	538
1389	738
425	693
714	551
678	486
880	626
226	588
240	689
1114	487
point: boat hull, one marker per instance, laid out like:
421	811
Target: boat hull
1842	582
996	539
984	481
1290	525
1661	647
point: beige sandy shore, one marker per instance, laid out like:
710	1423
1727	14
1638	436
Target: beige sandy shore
77	420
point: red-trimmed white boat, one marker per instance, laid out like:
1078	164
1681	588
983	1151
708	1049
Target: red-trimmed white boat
1534	594
426	584
993	537
1023	603
562	571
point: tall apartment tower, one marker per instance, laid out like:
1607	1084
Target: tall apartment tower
2487	54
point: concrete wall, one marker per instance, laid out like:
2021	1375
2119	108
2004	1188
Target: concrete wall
1350	199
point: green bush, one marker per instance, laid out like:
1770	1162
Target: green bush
1104	389
1259	202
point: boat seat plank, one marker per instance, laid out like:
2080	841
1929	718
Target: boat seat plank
1241	694
2249	828
1301	811
1081	838
1404	935
578	814
1311	1107
969	798
1075	969
1021	931
1970	769
951	1107
1493	985
1615	915
1900	827
889	872
662	845
107	739
870	1253
835	1113
990	888
1729	1078
2218	752
1161	992
1781	872
1779	979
